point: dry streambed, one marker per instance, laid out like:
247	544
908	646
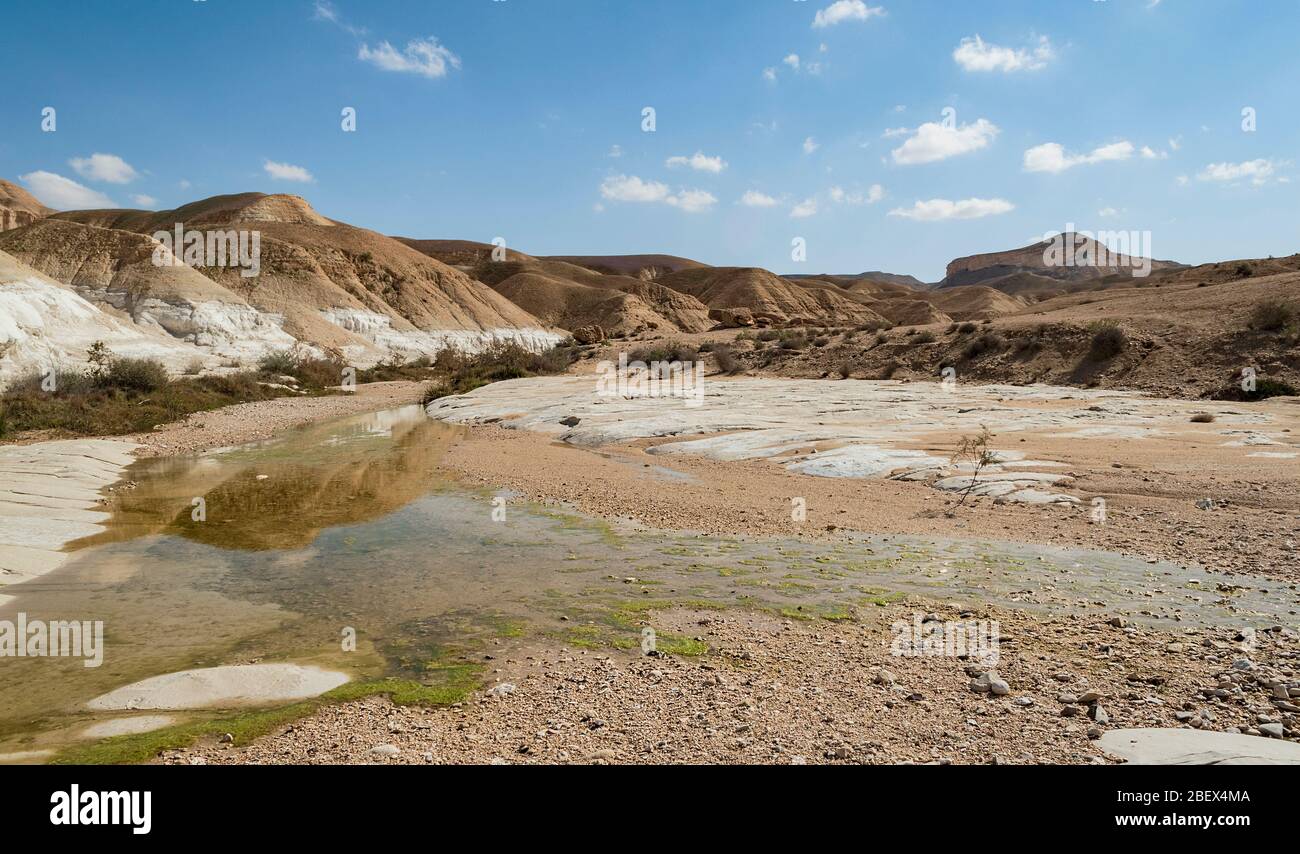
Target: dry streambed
882	429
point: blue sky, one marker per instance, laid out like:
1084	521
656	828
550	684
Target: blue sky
523	119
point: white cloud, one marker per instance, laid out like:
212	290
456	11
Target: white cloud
975	54
792	60
630	188
692	201
935	141
1256	171
806	208
1052	156
183	184
937	210
890	133
424	57
698	161
845	10
755	199
873	194
615	151
104	167
287	172
144	201
810	145
1148	153
1175	143
1107	212
64	193
769	73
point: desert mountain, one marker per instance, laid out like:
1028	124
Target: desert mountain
327	284
769	297
461	254
976	302
639	266
571	297
45	325
115	271
19	207
1070	258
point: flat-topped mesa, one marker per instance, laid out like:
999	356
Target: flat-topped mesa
1069	256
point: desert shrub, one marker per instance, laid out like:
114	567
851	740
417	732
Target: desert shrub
769	335
888	369
1265	388
985	342
1108	340
669	351
278	362
966	328
881	338
794	343
1272	315
133	375
194	368
952	327
1243	271
845	369
924	337
502	361
112	404
821	341
726	359
706	347
1203	418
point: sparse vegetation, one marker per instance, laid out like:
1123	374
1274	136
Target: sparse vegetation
1272	315
1203	418
669	351
985	342
463	373
1108	340
117	397
976	452
924	337
726	359
1263	389
845	369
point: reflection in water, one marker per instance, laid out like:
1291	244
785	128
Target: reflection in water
351	525
282	494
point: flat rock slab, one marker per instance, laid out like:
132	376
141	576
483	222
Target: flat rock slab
1169	746
844	428
127	726
49	496
220	687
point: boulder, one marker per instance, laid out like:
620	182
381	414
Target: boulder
592	334
732	318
